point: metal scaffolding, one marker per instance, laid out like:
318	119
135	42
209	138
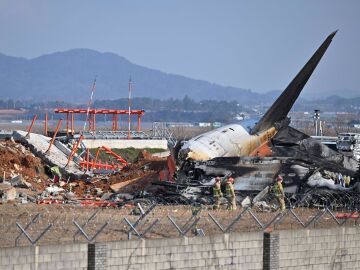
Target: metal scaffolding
92	117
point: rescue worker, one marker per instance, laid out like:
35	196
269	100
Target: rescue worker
279	192
217	192
55	170
230	193
341	179
347	180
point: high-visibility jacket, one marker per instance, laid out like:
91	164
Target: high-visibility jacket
230	192
217	190
347	180
278	189
55	170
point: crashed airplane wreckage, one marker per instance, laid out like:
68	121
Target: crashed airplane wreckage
271	148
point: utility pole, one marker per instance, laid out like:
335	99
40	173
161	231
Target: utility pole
316	122
129	104
89	103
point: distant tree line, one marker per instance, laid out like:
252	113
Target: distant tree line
169	110
182	110
178	110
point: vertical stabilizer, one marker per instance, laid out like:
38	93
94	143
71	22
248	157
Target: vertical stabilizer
279	110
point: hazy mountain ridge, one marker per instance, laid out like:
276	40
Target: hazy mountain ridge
68	76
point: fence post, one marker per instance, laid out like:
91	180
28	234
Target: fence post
271	246
97	256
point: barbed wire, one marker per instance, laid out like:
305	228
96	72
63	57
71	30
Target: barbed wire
68	224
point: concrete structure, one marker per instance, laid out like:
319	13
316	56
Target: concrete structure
7	192
5	134
39	144
137	144
72	256
235	251
335	248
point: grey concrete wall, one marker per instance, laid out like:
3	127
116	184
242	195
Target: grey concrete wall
336	248
138	144
225	251
59	257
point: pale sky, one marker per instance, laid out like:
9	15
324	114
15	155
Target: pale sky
258	45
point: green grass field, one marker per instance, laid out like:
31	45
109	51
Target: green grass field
129	154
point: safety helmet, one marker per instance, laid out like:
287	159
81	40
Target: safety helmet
279	178
217	179
230	179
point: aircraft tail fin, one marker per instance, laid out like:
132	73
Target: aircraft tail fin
281	107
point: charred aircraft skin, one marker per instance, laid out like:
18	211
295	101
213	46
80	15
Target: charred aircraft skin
232	150
296	159
290	142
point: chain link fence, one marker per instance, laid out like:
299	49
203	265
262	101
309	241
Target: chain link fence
55	224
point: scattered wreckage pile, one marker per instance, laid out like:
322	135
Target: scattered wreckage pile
29	178
314	175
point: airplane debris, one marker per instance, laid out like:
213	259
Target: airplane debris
272	147
246	202
18	181
54	190
7	193
63	174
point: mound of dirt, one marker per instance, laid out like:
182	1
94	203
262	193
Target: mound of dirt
146	156
133	178
15	160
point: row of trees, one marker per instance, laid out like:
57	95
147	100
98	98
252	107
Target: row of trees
169	110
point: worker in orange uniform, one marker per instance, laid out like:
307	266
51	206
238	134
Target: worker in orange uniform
279	192
230	193
217	192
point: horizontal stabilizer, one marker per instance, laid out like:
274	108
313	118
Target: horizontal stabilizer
279	110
